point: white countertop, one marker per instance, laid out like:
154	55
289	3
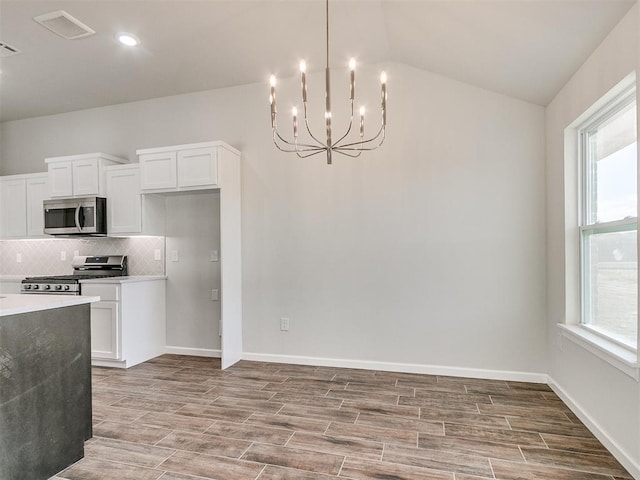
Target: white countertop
14	304
13	278
129	279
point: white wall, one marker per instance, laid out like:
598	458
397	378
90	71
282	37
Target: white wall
607	398
427	252
193	231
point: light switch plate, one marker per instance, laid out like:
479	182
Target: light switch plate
215	295
213	255
175	256
284	324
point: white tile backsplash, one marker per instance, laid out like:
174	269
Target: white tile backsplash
44	257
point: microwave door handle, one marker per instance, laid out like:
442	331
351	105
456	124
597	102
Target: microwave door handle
77	218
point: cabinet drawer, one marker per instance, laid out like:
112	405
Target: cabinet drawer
106	292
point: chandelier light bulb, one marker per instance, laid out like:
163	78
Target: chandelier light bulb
303	66
383	77
362	111
272	80
294	111
352	64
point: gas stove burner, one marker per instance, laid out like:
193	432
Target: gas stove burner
84	268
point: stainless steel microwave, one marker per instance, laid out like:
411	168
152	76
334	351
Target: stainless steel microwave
76	216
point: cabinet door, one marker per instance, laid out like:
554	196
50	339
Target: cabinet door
13	209
105	330
158	171
86	177
197	167
37	192
60	179
124	212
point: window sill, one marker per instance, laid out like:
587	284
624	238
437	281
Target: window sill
612	353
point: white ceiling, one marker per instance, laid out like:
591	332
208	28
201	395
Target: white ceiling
523	48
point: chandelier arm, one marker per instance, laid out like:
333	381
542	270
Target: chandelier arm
337	144
307	155
287	150
351	146
306	124
352	155
277	135
296	150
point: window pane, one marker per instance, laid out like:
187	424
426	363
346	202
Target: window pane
612	284
612	157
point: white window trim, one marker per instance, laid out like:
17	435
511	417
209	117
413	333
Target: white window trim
625	93
608	350
572	330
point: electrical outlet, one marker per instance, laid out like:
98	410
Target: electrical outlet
284	324
215	295
213	255
18	257
157	254
63	255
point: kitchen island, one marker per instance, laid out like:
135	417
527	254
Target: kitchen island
45	383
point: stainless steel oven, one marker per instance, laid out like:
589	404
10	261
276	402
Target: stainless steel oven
76	216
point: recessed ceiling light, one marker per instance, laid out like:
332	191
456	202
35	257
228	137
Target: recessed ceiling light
128	39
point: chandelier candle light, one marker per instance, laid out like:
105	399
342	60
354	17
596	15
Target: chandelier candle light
343	145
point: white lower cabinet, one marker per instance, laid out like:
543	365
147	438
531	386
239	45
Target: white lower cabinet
105	322
128	324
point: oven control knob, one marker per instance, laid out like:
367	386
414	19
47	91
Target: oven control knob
36	287
58	287
27	287
47	287
66	287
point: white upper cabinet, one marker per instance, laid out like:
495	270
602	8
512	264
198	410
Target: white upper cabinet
13	201
197	167
129	212
37	192
79	175
21	211
60	179
159	171
182	167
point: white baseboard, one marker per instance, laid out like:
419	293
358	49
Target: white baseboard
621	455
399	367
195	352
101	362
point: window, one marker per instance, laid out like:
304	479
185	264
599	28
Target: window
608	227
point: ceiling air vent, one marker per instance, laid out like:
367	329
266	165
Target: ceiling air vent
63	24
7	50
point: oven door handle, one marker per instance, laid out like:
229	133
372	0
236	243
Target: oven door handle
77	218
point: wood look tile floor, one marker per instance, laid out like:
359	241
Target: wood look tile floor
182	418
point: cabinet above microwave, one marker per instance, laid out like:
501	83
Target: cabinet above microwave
178	168
79	175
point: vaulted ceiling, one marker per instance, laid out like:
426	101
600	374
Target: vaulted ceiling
526	49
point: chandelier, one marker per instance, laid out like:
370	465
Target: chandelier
346	144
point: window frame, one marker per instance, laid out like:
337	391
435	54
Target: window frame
614	106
